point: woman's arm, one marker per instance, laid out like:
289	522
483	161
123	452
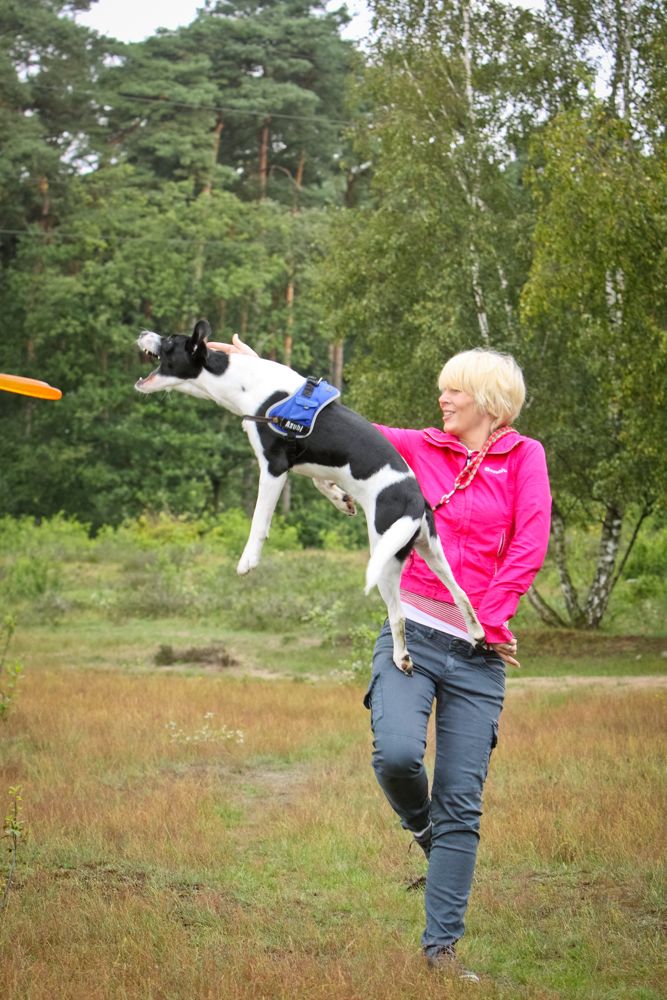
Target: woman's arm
526	551
404	440
236	347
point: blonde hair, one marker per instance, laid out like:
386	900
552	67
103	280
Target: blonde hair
494	380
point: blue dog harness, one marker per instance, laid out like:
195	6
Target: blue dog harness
295	416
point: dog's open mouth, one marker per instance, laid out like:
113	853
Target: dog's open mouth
144	379
149	347
148	356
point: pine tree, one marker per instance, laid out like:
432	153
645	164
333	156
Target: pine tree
47	64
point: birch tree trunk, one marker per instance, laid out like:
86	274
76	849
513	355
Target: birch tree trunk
478	291
605	577
567	587
600	591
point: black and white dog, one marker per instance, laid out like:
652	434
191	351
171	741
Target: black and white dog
344	454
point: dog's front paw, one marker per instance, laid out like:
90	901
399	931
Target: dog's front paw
350	506
341	500
404	663
246	563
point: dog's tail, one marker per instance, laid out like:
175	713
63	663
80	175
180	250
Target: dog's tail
395	543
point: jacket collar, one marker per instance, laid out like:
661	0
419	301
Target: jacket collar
441	439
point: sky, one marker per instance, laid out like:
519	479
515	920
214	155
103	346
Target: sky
133	20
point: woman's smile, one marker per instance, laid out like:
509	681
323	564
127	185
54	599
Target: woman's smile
462	417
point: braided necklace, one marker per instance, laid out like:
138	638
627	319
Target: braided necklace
470	470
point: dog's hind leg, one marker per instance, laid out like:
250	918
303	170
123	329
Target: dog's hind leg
270	488
389	586
341	500
429	547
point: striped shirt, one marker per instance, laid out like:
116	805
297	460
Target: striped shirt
436	614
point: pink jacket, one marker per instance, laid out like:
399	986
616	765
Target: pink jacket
495	532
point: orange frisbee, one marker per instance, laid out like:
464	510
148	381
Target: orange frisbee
28	387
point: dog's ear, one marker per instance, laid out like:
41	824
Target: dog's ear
196	344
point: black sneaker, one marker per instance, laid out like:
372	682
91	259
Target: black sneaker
446	961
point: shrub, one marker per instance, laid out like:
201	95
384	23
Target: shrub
30	577
57	538
231	528
10	672
649	555
152	531
166	589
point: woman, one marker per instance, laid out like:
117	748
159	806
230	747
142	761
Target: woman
489	490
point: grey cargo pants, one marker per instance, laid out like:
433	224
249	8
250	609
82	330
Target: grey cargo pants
468	687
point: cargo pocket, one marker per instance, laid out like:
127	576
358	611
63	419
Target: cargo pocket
373	699
492	745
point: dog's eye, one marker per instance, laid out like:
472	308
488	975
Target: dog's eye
168	347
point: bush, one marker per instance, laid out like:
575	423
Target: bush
228	530
231	529
10	673
161	587
151	531
57	538
319	524
649	555
30	577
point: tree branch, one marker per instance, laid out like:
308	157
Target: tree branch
567	586
544	610
633	538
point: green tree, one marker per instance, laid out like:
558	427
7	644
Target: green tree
250	96
159	99
595	308
141	229
47	62
435	262
594	305
125	261
470	99
283	111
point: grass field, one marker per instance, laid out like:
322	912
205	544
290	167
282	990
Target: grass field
201	820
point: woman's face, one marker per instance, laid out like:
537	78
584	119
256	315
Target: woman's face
461	416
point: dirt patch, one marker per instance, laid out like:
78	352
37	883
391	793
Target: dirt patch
217	657
598	889
563	683
107	878
280	782
254	783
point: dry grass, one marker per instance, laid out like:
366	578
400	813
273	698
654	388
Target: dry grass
272	868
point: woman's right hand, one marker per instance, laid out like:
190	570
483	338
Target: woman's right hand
506	651
236	347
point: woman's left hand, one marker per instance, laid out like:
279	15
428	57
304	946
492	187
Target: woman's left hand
506	651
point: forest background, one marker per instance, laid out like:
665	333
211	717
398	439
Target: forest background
480	174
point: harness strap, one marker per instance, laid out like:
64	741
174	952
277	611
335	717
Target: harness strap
258	418
294	417
307	390
310	386
469	471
